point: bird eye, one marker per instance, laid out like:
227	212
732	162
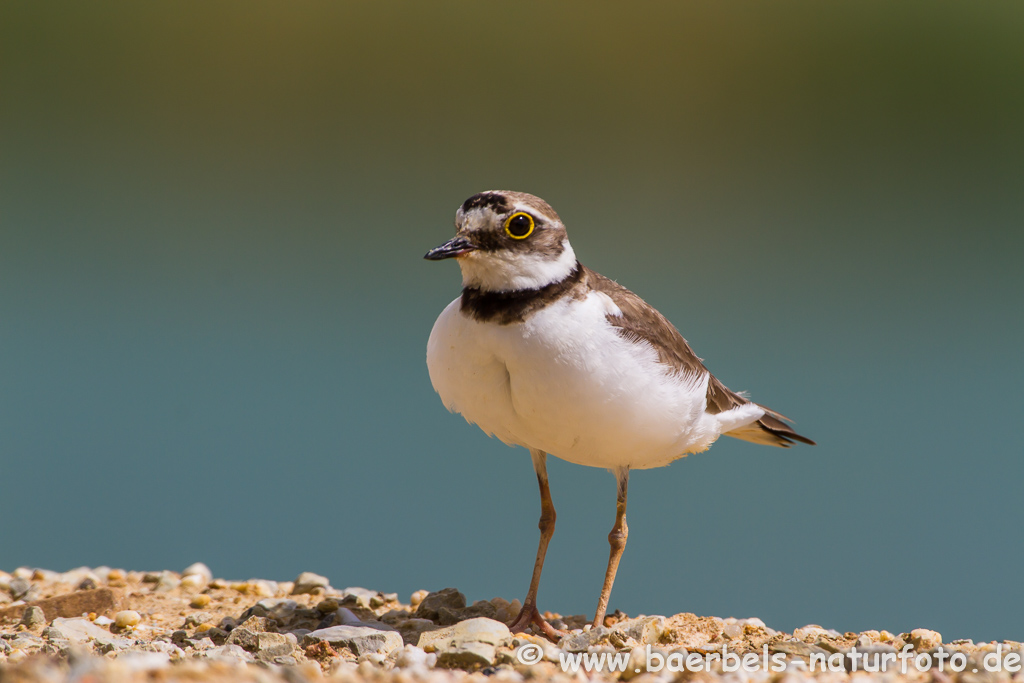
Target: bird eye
518	226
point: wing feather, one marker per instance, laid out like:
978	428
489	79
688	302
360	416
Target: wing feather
639	321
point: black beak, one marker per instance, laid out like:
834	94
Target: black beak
453	247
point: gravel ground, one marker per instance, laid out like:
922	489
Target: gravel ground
115	625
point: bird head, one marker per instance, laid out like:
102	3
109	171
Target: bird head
508	241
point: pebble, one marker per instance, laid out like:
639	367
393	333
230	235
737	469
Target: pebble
732	629
373	658
359	639
411	655
200	601
281	609
76	577
479	630
276	644
46	575
198	569
328	605
582	641
33	618
170	649
26	641
811	631
412	629
218	635
923	639
19	586
165	581
264	588
257	624
128	618
244	638
362	597
228	654
417	597
197	619
307	582
449	599
644	630
136	661
192	583
53	633
471	655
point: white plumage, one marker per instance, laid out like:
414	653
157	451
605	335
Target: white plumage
566	382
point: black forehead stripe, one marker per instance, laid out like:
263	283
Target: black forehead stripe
496	201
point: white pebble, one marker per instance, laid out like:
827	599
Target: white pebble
809	631
198	569
410	655
127	618
192	582
732	630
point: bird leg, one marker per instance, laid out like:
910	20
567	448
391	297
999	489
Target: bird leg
617	539
530	614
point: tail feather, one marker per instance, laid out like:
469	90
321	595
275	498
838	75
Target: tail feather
770	430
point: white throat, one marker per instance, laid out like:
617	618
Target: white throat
509	271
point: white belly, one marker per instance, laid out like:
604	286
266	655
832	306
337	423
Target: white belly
565	382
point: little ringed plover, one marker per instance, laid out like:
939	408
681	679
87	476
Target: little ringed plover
544	353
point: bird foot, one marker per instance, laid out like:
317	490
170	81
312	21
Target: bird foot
531	615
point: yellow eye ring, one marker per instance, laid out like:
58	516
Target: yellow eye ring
523	229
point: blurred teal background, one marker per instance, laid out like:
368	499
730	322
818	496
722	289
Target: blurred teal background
213	308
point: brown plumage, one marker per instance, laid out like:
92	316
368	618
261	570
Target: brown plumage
640	322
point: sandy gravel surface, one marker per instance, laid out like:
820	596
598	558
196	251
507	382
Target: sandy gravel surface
104	624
